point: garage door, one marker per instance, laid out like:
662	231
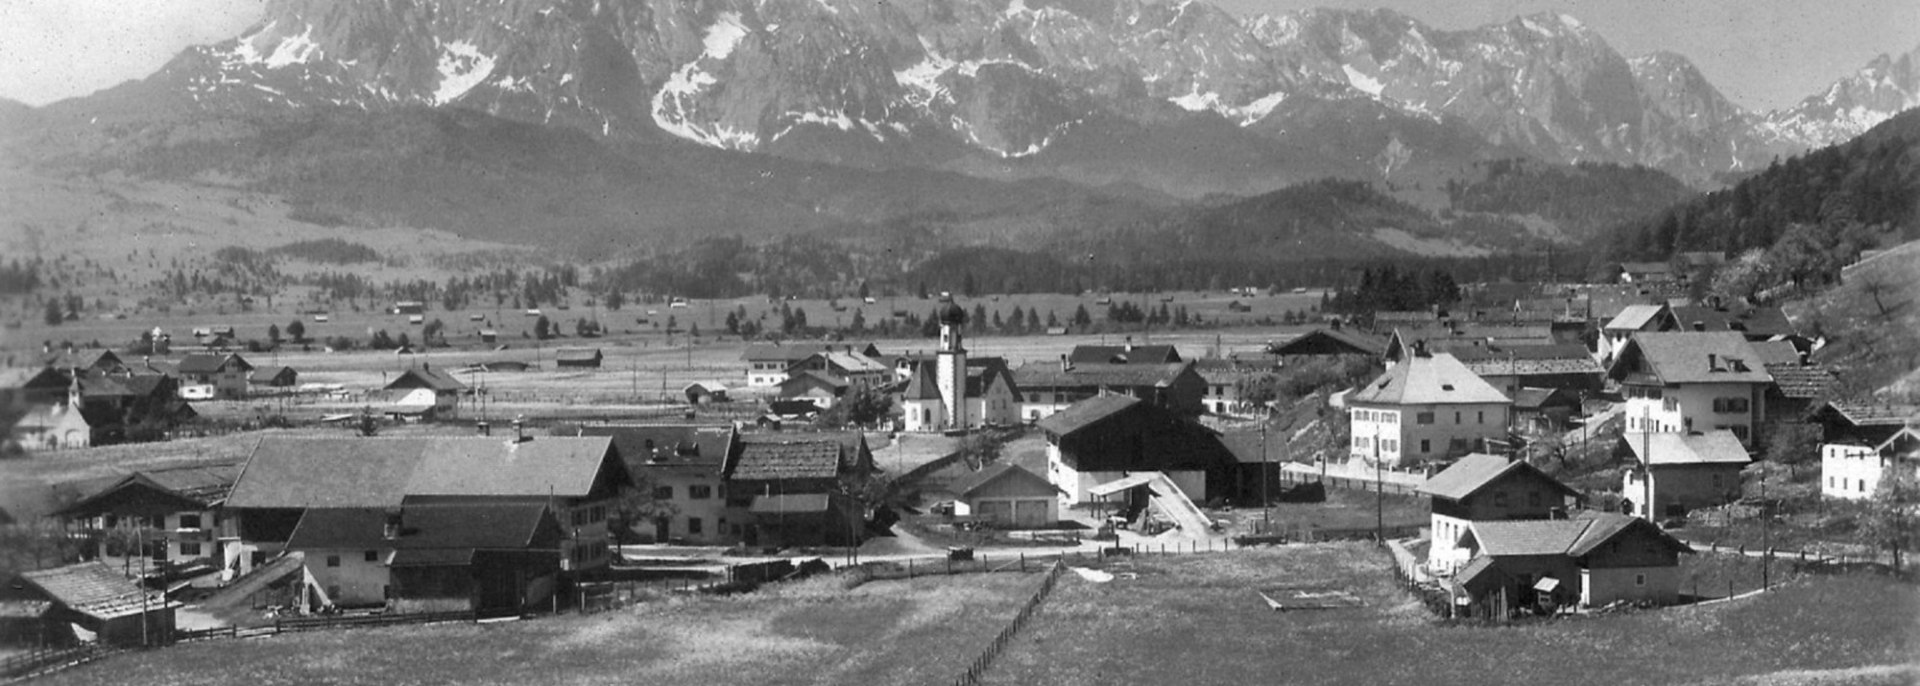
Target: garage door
1030	513
996	511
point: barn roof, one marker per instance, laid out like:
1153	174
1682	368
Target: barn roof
94	589
1474	472
1086	413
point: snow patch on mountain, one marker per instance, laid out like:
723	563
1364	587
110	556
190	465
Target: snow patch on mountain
674	106
724	35
462	66
290	51
1362	82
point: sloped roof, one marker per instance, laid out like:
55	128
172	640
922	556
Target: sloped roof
459	527
577	354
1860	413
93	588
1321	341
1525	360
1777	352
1796	380
793	352
210	363
1502	538
102	359
1536	398
1246	446
1123	354
328	528
201	485
550	465
855	363
1635	318
1757	321
1646	267
271	373
789	503
1086	413
1670	448
289	472
425	377
666	444
1693	357
1425	380
1136	375
802	458
974	481
1471	473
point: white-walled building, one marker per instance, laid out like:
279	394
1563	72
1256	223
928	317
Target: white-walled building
1854	472
953	392
1688	381
1427	407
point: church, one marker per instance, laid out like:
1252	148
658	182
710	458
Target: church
953	393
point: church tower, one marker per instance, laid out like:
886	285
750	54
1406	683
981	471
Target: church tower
950	373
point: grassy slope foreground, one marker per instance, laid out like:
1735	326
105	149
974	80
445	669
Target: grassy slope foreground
1197	620
898	632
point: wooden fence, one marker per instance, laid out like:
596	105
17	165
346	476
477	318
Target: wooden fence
980	664
50	659
323	622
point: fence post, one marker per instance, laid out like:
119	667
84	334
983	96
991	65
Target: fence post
909	569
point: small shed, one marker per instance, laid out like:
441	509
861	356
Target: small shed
1005	494
706	392
578	357
276	377
91	602
489	335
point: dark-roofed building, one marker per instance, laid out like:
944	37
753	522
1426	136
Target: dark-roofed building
425	389
1540	565
1483	487
1104	438
589	358
990	395
1510	368
795	486
767	363
280	376
227	373
91	602
1319	342
1692	381
1646	272
578	477
1123	354
180	505
1680	472
1048	388
1005	494
818	388
85	359
113	406
1426	407
487	557
1755	323
679	465
1544	410
1798	383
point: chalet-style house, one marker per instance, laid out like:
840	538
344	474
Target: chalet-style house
851	367
1678	472
1565	367
1544	410
274	377
1334	341
1631	320
1859	442
1427	407
1545	564
180	507
1006	495
287	480
583	358
489	557
76	408
796	487
1798	383
1127	353
705	392
768	364
817	388
1108	437
426	391
1049	388
680	467
225	373
1226	378
1480	488
1754	323
1687	381
90	602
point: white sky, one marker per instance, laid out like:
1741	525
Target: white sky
1761	53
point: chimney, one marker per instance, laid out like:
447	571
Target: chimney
393	525
1420	348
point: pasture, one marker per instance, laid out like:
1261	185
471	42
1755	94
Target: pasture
1197	620
922	631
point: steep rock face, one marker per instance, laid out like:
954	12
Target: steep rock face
999	86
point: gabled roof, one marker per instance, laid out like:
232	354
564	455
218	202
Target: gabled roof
459	527
792	352
1426	380
576	354
789	503
1777	352
101	360
1636	318
1123	354
1806	382
1085	413
1527	360
210	363
439	380
1859	413
1500	538
1669	448
1691	357
1477	471
1138	375
1537	398
644	446
565	467
1332	342
1752	321
197	486
326	528
779	456
1247	447
975	481
271	373
94	589
289	472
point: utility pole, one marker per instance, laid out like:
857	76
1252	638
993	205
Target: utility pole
1266	477
1766	538
1379	496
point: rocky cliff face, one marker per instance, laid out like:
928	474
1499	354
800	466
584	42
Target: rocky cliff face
1029	87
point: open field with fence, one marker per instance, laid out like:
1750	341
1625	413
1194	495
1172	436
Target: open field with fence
1200	620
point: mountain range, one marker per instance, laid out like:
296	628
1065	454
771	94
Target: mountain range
848	110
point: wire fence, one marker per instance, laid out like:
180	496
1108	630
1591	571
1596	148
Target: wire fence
981	663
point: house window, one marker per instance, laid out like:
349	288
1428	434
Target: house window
371	556
333	561
694	525
1739	432
699	492
189	521
190	549
663	493
1639	579
1456	418
1423	418
1670	404
1481	417
1426	446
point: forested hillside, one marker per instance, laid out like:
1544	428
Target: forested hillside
1582	199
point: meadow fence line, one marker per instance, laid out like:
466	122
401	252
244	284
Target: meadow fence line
978	668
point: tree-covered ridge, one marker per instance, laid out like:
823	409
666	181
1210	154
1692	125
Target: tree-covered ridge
1867	187
1582	199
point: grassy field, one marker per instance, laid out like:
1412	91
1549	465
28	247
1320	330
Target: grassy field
1197	620
922	631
